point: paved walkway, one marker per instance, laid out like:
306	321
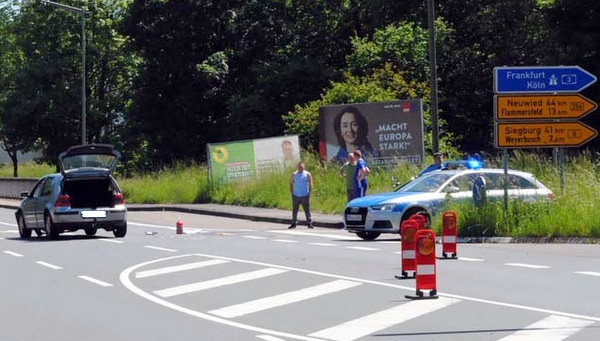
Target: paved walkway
230	211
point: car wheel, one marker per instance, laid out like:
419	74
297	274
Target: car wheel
91	231
24	232
419	211
120	231
49	227
368	235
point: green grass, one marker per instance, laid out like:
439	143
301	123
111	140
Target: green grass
573	212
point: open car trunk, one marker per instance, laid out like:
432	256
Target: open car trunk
89	192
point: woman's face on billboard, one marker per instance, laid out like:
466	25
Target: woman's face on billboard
349	127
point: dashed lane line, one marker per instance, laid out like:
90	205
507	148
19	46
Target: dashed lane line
159	248
111	240
95	281
529	266
588	273
14	254
48	265
362	248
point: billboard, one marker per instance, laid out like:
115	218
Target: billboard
248	158
386	133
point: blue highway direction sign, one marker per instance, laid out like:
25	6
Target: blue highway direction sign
541	79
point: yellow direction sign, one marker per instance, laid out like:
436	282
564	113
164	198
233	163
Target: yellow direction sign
543	134
536	107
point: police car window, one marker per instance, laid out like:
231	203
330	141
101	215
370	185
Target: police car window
463	183
519	182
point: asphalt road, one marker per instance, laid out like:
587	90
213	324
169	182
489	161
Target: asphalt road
232	279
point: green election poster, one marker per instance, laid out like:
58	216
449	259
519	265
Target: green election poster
232	161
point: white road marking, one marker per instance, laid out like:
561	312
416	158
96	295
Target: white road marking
111	241
589	273
362	248
552	328
13	254
125	279
219	282
269	338
530	266
191	228
471	259
177	268
265	303
322	244
95	281
285	241
7	224
159	248
10	231
48	265
369	324
313	234
254	237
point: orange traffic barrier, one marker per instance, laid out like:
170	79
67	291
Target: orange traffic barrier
179	226
420	219
425	261
408	230
449	233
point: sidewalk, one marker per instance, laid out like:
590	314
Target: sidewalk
230	211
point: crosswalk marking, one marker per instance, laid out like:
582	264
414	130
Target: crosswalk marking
552	328
283	299
177	268
322	244
248	276
369	324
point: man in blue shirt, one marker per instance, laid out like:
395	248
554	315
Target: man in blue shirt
301	185
360	175
438	159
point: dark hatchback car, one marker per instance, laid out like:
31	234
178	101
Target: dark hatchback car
83	196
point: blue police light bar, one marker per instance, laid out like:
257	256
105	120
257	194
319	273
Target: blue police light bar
541	79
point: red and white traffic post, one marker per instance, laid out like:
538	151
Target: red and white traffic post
426	268
449	234
408	230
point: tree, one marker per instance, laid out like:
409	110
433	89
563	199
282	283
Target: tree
46	101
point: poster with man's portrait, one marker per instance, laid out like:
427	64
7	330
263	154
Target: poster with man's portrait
239	160
386	133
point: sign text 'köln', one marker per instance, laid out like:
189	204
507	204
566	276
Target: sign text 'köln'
541	79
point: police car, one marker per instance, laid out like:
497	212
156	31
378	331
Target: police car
372	215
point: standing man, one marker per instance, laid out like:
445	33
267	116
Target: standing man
301	185
360	175
438	159
347	171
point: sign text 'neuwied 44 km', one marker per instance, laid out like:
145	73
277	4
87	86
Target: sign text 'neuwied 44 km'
542	134
541	79
534	107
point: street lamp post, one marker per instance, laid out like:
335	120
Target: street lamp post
433	77
82	13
